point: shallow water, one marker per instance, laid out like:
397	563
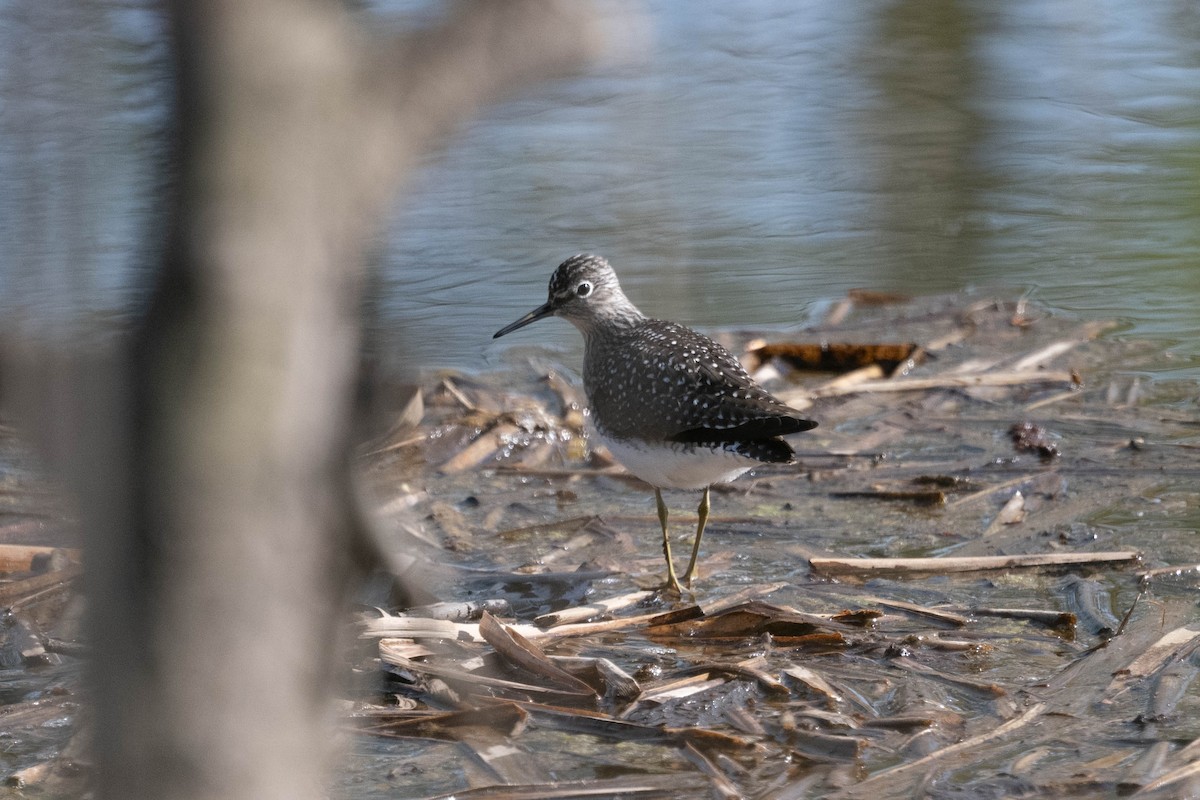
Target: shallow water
1124	481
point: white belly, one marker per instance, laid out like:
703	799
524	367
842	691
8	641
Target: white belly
677	466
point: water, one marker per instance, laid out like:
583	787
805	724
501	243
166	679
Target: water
763	158
740	164
744	165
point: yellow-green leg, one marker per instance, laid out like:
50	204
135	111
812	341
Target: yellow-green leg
702	510
672	583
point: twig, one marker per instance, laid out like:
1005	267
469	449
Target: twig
1047	353
814	681
948	382
838	566
991	490
591	610
452	389
1160	572
1070	394
941	615
1053	619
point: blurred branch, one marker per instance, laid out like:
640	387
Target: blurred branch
214	481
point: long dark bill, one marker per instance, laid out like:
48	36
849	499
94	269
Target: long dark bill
541	312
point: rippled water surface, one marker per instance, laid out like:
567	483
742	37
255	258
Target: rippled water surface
741	164
758	159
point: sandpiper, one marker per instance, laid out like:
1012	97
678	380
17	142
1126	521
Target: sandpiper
673	406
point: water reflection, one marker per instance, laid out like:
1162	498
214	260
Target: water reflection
751	162
923	134
762	160
83	100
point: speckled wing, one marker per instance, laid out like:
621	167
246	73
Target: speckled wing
663	381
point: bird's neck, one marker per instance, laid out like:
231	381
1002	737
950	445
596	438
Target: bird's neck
614	317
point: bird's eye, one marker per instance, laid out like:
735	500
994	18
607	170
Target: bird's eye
583	289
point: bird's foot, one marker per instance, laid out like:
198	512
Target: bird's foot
671	588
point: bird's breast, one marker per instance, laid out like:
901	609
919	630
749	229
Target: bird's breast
669	465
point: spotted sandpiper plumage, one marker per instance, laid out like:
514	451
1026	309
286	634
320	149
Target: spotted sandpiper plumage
673	406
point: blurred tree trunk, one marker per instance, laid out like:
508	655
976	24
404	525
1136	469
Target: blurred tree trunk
222	546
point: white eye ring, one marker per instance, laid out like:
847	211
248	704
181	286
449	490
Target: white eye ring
583	289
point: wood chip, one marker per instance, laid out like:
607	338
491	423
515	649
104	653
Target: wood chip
602	675
840	356
814	681
746	670
682	687
859	617
722	787
401	627
464	679
901	723
826	746
1160	653
396	626
481	449
30	776
36	558
749	619
523	654
1012	513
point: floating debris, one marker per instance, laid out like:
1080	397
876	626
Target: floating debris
839	356
1033	438
911	563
